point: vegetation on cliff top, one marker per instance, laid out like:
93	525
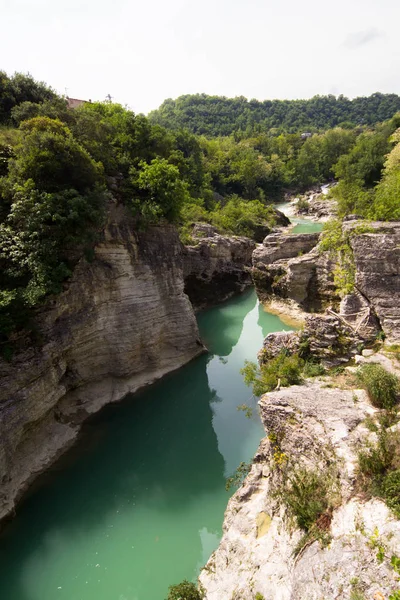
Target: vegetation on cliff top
60	167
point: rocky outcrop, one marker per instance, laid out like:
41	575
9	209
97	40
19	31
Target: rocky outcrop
217	267
263	552
290	266
123	321
282	246
377	264
296	269
326	338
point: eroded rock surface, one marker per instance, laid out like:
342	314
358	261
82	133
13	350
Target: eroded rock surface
318	428
377	261
290	266
324	337
216	267
123	322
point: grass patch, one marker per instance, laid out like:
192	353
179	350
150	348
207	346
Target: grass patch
381	386
391	491
313	369
379	468
310	497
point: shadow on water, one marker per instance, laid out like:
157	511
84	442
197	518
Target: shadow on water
138	502
227	319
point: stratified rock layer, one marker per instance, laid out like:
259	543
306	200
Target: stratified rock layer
317	428
290	266
377	262
216	267
123	322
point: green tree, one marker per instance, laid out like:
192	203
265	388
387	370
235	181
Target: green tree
162	191
184	591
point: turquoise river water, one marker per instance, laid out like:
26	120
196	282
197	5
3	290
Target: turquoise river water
138	502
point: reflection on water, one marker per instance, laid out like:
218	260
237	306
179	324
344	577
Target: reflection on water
138	503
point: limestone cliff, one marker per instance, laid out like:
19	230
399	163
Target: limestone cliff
216	267
262	551
290	267
123	321
377	265
293	267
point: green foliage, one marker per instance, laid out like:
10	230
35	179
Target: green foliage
313	369
184	591
60	166
18	89
335	241
360	189
379	467
163	191
282	369
53	202
307	495
386	205
248	411
239	217
382	387
217	115
239	476
303	205
391	492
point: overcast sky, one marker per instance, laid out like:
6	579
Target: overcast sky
143	52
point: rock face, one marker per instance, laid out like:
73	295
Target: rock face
377	261
318	428
326	338
123	322
295	269
282	246
216	267
290	266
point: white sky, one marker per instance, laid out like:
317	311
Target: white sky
142	52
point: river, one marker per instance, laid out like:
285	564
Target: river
138	502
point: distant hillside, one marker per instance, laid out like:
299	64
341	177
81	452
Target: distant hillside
218	115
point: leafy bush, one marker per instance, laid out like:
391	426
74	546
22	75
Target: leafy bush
184	591
337	243
313	369
240	217
53	200
391	491
379	468
382	387
282	369
375	459
307	495
303	206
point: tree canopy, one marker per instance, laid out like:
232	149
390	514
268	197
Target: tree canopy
218	115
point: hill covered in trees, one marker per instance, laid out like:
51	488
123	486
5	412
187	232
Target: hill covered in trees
221	116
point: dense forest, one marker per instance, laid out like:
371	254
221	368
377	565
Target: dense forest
220	116
59	168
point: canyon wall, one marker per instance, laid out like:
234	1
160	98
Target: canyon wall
123	321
